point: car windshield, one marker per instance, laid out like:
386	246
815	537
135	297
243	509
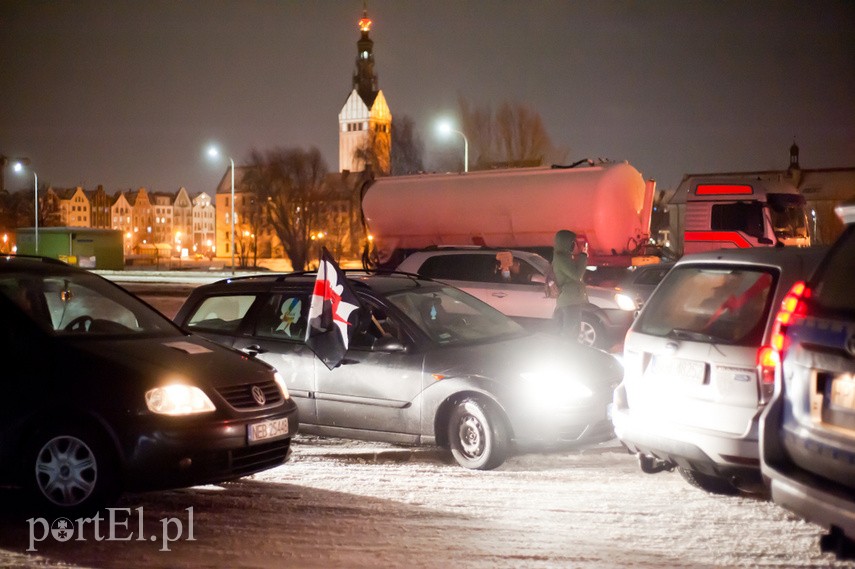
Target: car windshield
709	304
450	316
789	215
81	304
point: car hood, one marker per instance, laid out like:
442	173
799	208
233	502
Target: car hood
534	354
189	358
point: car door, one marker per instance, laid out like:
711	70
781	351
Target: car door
275	334
374	390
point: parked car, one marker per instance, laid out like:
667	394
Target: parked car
808	430
103	394
638	283
521	294
696	377
428	364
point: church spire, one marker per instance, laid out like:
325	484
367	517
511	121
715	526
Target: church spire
364	79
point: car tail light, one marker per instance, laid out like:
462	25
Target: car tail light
769	357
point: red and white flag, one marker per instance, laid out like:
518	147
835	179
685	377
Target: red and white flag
332	313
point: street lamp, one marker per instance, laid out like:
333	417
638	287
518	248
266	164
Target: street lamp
446	129
213	152
19	167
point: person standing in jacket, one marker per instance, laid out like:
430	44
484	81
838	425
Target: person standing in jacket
569	268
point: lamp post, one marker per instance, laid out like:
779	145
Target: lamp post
445	128
213	152
19	167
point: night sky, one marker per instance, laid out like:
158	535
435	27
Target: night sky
128	93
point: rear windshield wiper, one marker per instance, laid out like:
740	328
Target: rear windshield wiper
682	334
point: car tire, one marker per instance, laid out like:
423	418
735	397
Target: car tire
477	437
71	470
708	482
591	332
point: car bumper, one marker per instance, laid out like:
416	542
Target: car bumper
175	454
714	453
563	428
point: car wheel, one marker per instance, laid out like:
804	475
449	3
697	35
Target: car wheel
591	332
708	482
478	437
71	469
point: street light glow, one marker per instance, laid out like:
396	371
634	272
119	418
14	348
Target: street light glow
214	153
445	129
19	167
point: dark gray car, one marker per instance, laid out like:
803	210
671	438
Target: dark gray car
427	365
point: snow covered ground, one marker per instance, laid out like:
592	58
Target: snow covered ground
349	504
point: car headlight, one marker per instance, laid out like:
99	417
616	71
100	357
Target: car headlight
625	302
556	386
280	381
178	399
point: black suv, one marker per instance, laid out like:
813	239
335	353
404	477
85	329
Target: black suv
427	364
808	430
102	393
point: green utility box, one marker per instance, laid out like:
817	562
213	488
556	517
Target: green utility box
81	246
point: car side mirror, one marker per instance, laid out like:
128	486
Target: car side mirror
538	278
388	343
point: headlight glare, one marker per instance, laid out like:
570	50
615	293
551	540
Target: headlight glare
557	386
178	399
625	302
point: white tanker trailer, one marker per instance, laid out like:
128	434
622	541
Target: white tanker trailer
607	205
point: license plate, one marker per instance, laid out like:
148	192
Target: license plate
266	430
676	369
843	392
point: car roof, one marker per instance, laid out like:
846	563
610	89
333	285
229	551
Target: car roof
384	282
35	265
469	249
768	256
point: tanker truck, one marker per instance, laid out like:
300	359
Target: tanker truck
608	205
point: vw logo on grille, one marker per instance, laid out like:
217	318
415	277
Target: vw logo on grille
850	344
258	395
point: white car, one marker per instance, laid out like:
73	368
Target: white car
522	294
696	375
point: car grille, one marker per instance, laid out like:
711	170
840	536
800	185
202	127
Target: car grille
241	396
227	465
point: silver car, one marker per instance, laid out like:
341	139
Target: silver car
697	373
427	365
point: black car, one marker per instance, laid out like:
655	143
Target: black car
428	364
103	394
808	430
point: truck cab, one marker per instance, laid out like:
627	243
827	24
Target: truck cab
722	212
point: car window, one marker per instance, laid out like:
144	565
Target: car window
284	317
740	216
373	324
833	289
450	316
221	313
81	303
460	267
710	304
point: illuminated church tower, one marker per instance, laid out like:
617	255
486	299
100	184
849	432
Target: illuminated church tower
364	121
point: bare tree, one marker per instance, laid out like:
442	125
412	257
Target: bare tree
512	137
407	148
375	152
289	183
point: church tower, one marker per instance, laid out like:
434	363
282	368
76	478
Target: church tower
365	123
